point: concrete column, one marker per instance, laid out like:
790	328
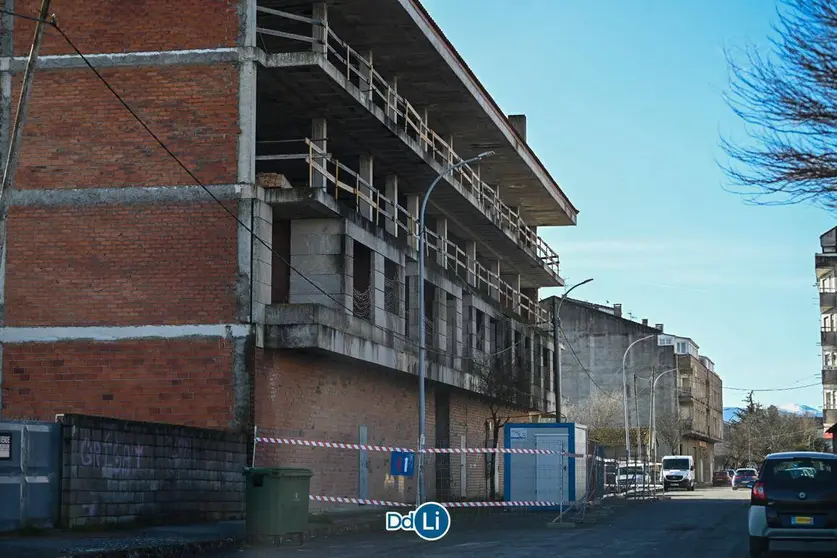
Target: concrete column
391	224
425	118
515	283
494	269
530	355
415	313
442	242
366	173
413	206
471	253
366	82
454	316
379	316
319	32
470	327
392	103
348	273
402	297
450	152
319	135
262	259
440	320
321	252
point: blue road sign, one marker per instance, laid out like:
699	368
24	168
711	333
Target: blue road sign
402	464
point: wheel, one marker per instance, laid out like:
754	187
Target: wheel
734	487
758	547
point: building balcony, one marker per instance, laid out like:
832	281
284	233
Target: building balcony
335	82
829	375
825	264
695	429
828	337
829	416
828	300
317	185
353	338
685	394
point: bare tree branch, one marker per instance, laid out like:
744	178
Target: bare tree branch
789	103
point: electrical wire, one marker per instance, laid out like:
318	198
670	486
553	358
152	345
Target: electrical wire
790	388
228	211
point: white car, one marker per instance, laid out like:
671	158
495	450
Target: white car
678	471
793	504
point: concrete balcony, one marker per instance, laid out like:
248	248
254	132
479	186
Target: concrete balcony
829	416
336	82
828	337
828	300
318	186
829	375
696	429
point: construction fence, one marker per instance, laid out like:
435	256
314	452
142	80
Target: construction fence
374	472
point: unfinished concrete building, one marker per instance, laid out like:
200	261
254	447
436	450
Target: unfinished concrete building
688	394
319	125
826	270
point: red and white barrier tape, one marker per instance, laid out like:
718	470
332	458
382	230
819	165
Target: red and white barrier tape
369	447
388	504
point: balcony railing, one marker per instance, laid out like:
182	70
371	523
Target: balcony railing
361	73
344	184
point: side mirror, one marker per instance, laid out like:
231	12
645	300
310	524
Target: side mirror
692	468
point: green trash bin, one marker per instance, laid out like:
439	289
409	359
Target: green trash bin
277	501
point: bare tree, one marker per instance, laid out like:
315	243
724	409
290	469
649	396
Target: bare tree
789	103
602	414
503	380
671	427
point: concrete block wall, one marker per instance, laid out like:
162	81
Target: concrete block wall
117	471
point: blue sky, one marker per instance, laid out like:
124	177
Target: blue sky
624	105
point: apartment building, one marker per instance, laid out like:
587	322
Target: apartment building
825	263
129	292
688	394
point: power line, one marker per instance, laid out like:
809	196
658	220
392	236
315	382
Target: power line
775	389
229	212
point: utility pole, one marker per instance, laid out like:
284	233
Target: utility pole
636	413
17	128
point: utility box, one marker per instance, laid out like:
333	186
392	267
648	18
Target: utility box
277	501
546	477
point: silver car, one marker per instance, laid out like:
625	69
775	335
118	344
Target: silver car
793	504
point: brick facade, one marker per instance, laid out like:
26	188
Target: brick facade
113	26
182	381
78	135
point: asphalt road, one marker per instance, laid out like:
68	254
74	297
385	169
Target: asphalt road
707	523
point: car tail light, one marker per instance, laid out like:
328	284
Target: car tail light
757	496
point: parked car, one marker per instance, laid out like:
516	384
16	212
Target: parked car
722	478
744	478
792	504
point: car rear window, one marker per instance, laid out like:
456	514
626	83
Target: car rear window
800	472
746	472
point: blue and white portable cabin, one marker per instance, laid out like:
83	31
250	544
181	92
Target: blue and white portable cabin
545	477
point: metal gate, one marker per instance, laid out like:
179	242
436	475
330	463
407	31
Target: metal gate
30	474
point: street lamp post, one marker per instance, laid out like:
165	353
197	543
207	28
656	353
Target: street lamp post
653	418
421	325
625	398
556	340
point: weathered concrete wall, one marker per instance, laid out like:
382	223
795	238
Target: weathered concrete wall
599	340
117	471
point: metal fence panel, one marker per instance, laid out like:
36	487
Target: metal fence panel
30	474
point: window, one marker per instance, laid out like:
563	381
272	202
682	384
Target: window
800	473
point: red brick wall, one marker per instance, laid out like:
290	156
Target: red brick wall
97	26
121	265
317	398
183	381
78	135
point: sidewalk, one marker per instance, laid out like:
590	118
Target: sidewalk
186	540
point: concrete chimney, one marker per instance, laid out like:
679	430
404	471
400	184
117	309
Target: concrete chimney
645	321
518	122
659	327
617	310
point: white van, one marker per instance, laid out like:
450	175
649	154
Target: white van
631	476
678	471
